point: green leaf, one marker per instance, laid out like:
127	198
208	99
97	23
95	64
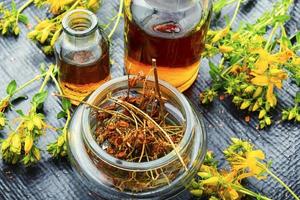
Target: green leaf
66	104
24	19
39	98
214	71
298	37
43	68
282	18
14	7
61	114
286	41
20	112
11	88
297	98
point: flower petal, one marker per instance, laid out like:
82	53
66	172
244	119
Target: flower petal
260	80
270	95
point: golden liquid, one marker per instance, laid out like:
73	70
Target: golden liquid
180	77
177	50
77	81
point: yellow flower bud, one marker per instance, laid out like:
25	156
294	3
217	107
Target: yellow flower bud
60	141
258	92
36	153
45	34
268	120
2	121
55	37
28	143
196	193
262	113
30	125
220	34
256	106
292	115
32	34
37	122
16	30
249	89
225	49
245	105
204	175
16	144
211	181
5	144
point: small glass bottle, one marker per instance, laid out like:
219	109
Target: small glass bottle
171	31
82	55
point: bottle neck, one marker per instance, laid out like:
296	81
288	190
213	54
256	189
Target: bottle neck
80	27
83	40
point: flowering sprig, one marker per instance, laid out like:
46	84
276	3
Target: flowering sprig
9	19
245	162
59	7
251	66
220	184
20	145
293	113
243	158
47	31
11	90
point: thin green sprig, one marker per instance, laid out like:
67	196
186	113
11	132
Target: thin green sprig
20	144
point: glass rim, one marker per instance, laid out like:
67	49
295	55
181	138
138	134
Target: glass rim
84	14
137	166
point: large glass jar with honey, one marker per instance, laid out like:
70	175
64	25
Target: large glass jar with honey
170	31
82	55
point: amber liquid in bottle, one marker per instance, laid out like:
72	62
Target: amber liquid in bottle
176	43
80	79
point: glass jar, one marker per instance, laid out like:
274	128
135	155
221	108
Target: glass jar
82	54
170	31
104	174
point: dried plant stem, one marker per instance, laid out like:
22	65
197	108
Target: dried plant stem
95	107
157	125
161	103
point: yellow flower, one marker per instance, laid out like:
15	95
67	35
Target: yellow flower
225	49
296	61
2	120
250	163
57	6
267	74
283	56
220	34
269	78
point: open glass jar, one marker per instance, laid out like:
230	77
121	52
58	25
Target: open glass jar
105	175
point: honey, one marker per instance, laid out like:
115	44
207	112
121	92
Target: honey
175	39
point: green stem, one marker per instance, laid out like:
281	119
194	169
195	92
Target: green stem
30	82
25	6
271	36
24	86
22	9
246	191
229	68
118	19
48	75
235	13
282	183
68	111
